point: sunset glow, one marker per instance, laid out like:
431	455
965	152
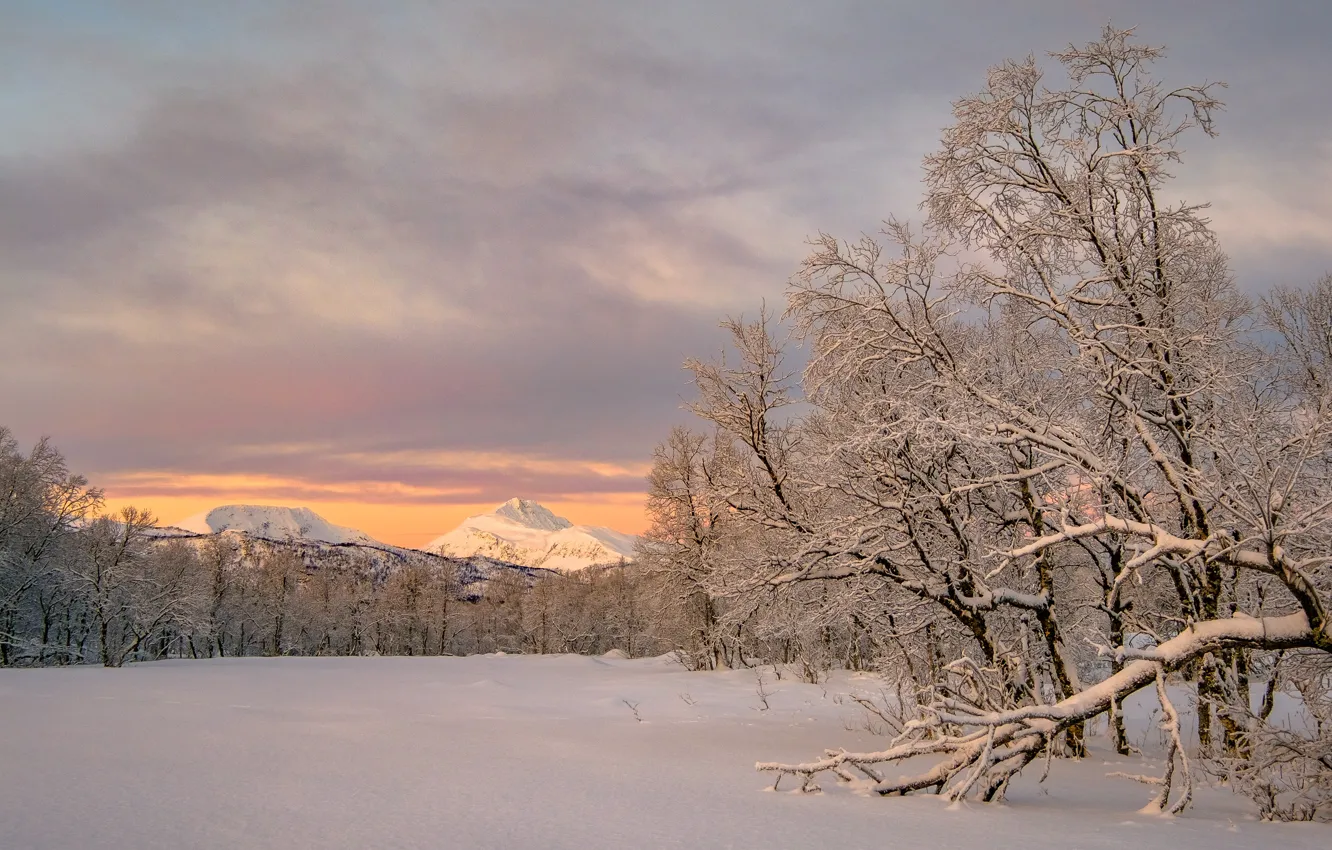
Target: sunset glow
405	264
388	511
410	525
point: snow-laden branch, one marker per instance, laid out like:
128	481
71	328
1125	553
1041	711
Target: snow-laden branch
1163	542
998	744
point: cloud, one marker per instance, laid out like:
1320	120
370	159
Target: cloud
395	239
389	477
1260	207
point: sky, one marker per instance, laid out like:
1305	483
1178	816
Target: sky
399	262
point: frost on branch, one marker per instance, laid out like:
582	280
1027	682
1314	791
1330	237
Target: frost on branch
983	745
1041	458
1286	768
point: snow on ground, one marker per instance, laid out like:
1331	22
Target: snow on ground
507	752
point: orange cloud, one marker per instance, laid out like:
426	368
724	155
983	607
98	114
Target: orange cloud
395	513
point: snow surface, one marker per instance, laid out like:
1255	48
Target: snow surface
274	523
524	532
505	752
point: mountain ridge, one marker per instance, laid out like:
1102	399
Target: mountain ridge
270	528
524	532
274	522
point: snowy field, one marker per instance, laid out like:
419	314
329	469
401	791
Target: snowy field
507	752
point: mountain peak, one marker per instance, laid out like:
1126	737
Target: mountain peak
524	532
273	522
531	515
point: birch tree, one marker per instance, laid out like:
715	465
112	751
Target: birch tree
41	507
1047	405
680	551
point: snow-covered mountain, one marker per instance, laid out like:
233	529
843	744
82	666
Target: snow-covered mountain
274	523
523	532
257	532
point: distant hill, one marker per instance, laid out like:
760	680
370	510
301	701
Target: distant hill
524	532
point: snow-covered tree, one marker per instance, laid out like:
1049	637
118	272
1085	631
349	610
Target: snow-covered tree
134	593
42	505
1041	423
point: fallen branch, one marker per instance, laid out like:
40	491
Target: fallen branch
982	750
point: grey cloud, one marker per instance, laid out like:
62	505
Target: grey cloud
493	174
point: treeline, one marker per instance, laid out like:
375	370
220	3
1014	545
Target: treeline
80	587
